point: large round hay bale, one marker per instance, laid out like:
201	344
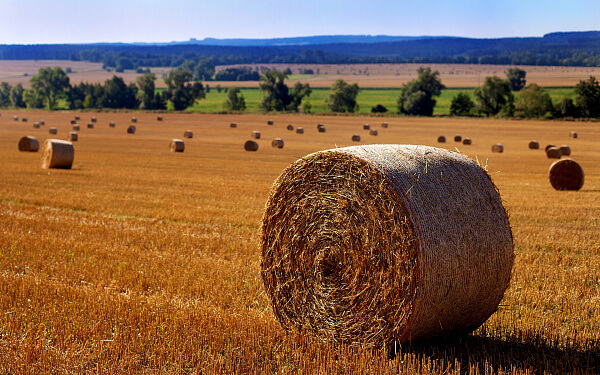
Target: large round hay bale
375	244
373	132
270	122
321	128
90	125
498	147
250	146
131	129
73	137
188	134
300	131
177	145
29	143
457	138
57	154
76	127
112	124
255	134
441	139
53	130
534	145
553	153
566	174
565	150
356	137
366	126
384	125
467	141
548	147
277	143
233	125
290	127
573	135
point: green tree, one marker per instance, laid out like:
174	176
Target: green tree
566	108
50	84
494	97
342	97
235	101
462	105
180	91
516	78
533	101
588	97
278	96
417	96
119	95
5	89
33	99
16	96
146	93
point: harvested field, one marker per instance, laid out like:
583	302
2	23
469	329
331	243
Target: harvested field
138	261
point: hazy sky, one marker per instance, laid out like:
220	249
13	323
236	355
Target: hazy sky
84	21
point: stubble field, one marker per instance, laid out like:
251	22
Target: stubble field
143	260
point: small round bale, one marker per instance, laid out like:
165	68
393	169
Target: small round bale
53	130
356	137
76	127
467	141
29	143
73	137
373	132
290	127
24	119
133	119
565	150
534	145
112	124
277	143
375	244
384	125
36	125
250	146
73	122
57	154
441	139
77	118
159	118
42	122
553	153
90	125
16	118
573	135
131	129
270	122
457	138
94	119
300	131
177	145
366	127
321	128
233	125
188	134
255	134
566	174
498	147
548	147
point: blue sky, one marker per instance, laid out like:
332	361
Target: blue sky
83	21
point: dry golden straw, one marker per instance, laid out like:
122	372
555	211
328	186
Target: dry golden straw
467	141
255	135
565	150
566	174
457	138
29	143
534	145
498	147
72	136
251	146
57	154
356	138
131	129
375	244
188	134
277	143
177	145
553	153
441	139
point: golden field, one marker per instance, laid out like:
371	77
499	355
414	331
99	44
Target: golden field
142	260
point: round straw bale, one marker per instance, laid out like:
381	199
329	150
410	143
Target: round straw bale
188	134
566	174
177	145
384	125
90	125
42	122
255	135
131	129
233	125
375	244
321	128
16	118
76	127
24	119
72	136
112	124
498	147
277	143
270	122
373	132
573	135
534	145
159	118
553	153
77	118
57	154
549	146
467	141
441	139
36	125
94	119
133	119
73	122
29	143
300	131
457	138
53	130
366	126
250	146
290	127
356	137
565	150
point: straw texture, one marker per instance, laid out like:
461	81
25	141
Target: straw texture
251	146
177	145
57	154
553	153
498	147
534	145
29	143
374	244
566	174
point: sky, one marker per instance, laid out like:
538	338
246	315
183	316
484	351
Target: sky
85	21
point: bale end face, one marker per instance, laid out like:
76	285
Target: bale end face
441	139
251	146
131	129
356	138
566	174
57	154
29	143
458	138
290	127
553	153
177	145
534	145
73	137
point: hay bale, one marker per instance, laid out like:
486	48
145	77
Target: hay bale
177	145
290	127
73	122
76	127
112	124
90	125
57	154
356	138
534	145
553	153
131	129
188	134
94	119
573	135
467	141
270	122
384	125
24	119
373	132
29	143
441	139
565	150
374	244
133	119
159	118
255	135
73	137
36	125
277	143
498	147
321	128
457	138
16	118
566	174
250	146
42	122
233	125
53	130
366	127
300	131
548	147
77	118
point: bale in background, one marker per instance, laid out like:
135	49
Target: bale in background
321	128
548	147
356	138
566	174
233	125
76	127
53	130
188	134
565	150
384	125
290	127
250	146
277	143
24	119
270	122
177	145
498	147
112	124
467	141
300	131
29	143
366	127
72	136
534	145
73	122
441	139
131	129
36	125
94	119
90	125
42	122
553	153
77	118
57	154
373	132
457	138
375	244
255	135
133	119
573	135
16	118
159	118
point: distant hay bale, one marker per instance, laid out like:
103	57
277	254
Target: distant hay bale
467	141
277	143
188	134
441	139
566	174
77	118
373	132
57	154
73	137
159	118
457	138
573	135
29	143
36	125
24	119
250	146
358	246
270	122
553	153
76	127
133	119
290	127
53	130
300	131
112	124
90	125
356	138
131	129
565	150
94	119
498	147
73	122
255	134
548	147
42	122
384	125
233	125
534	145
321	128
16	118
366	127
177	145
